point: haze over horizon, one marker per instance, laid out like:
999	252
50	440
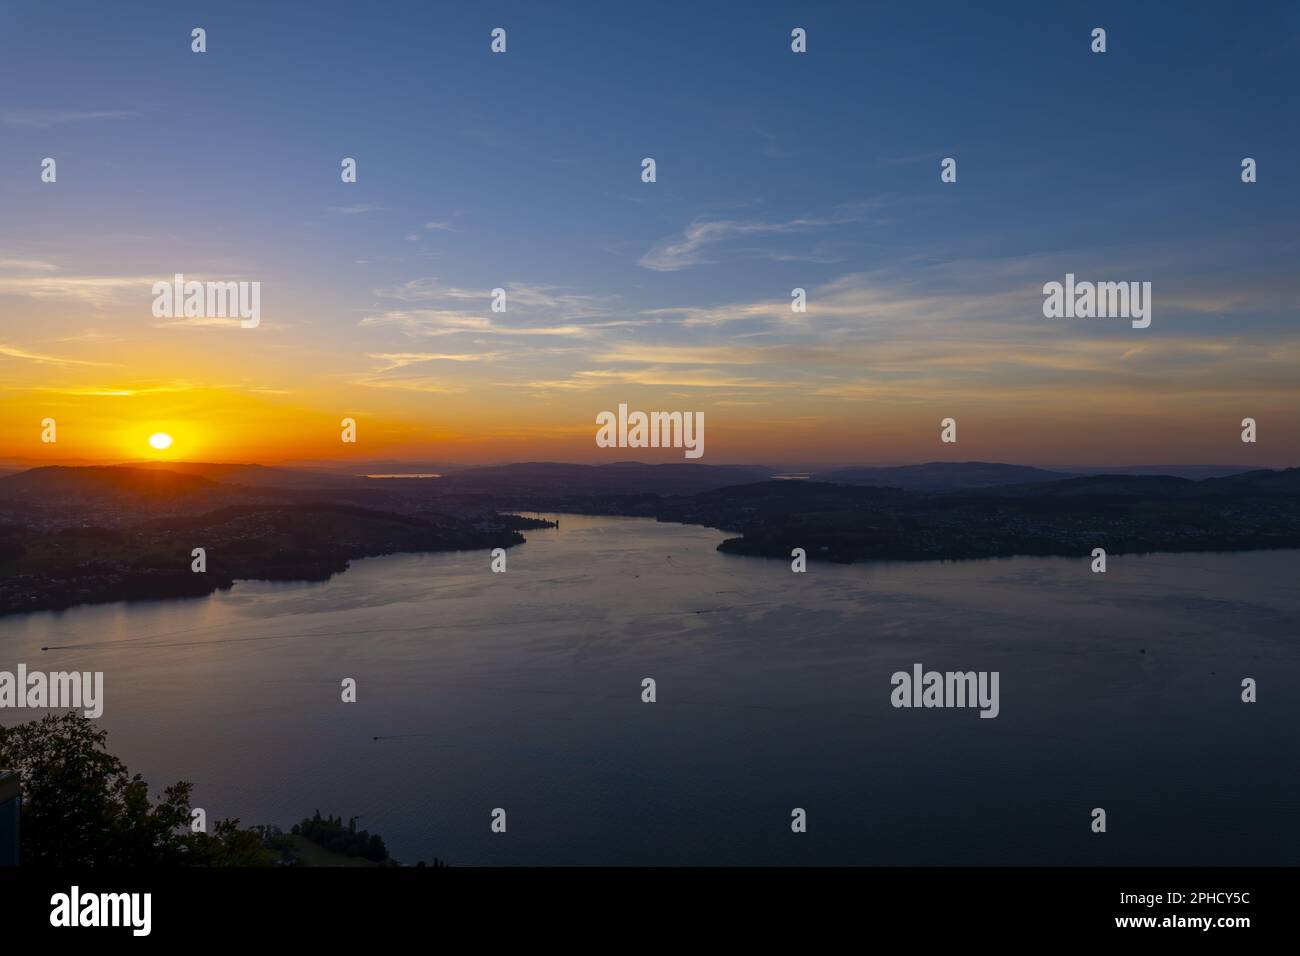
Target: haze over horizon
820	470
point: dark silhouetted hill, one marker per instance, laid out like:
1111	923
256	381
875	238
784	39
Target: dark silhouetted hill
621	478
55	483
1140	486
256	476
1264	482
941	475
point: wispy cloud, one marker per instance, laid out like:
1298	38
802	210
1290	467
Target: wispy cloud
531	310
109	391
709	240
436	322
656	376
396	360
411	371
9	351
95	291
200	322
92	336
406	382
43	119
28	265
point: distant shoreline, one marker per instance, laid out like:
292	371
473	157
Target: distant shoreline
76	536
308	543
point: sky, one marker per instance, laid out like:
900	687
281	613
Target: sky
774	171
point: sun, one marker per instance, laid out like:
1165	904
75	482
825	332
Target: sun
160	440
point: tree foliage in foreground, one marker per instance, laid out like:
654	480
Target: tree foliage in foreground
82	807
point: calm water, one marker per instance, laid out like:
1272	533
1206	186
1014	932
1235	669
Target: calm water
522	691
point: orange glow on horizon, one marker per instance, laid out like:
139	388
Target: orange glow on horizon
113	423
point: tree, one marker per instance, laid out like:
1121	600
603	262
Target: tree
81	806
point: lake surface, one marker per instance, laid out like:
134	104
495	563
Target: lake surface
523	691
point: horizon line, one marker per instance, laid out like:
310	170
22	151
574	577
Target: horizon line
420	464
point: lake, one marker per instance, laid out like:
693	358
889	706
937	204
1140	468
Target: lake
522	691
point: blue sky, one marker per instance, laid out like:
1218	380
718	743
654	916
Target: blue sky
775	170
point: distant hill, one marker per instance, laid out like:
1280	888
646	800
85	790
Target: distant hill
620	478
70	489
550	484
1194	472
380	467
1125	514
941	475
73	535
1139	486
259	476
66	484
58	567
1264	482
